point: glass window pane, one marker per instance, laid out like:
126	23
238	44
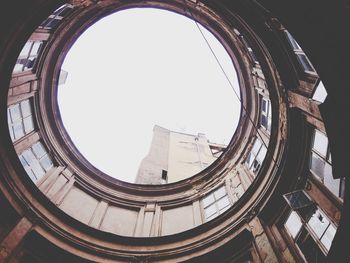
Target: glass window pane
25	107
29	156
210	210
22	160
264	121
29	63
18	130
12	135
37	169
15	112
220	192
38	150
320	93
25	50
320	143
46	163
304	61
28	124
52	23
209	199
292	41
293	224
256	146
223	202
212	216
332	184
35	48
262	154
328	236
318	223
320	167
250	160
30	173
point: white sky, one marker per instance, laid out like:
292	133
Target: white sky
137	68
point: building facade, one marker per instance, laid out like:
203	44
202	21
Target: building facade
175	156
278	193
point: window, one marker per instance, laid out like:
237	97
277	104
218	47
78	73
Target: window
250	50
320	93
265	114
20	119
53	20
256	156
164	177
301	57
27	57
215	203
316	233
321	165
36	161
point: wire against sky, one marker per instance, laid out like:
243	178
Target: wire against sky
138	68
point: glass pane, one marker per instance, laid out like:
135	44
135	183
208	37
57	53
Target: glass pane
12	135
256	166
320	143
223	202
28	124
29	156
66	10
262	154
38	150
332	184
46	163
29	63
293	224
264	121
318	166
292	41
18	130
318	223
224	209
22	160
18	67
256	146
25	50
328	236
52	23
220	192
250	160
35	48
210	210
30	173
25	107
264	106
320	93
304	61
8	116
212	216
15	112
37	169
208	200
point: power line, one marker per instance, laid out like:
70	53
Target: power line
228	79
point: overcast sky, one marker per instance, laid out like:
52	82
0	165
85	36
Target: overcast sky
138	68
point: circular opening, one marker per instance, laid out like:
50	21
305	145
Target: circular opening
145	98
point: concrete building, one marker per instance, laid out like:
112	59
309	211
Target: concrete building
175	156
278	193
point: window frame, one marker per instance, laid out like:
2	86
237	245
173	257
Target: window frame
214	203
21	120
